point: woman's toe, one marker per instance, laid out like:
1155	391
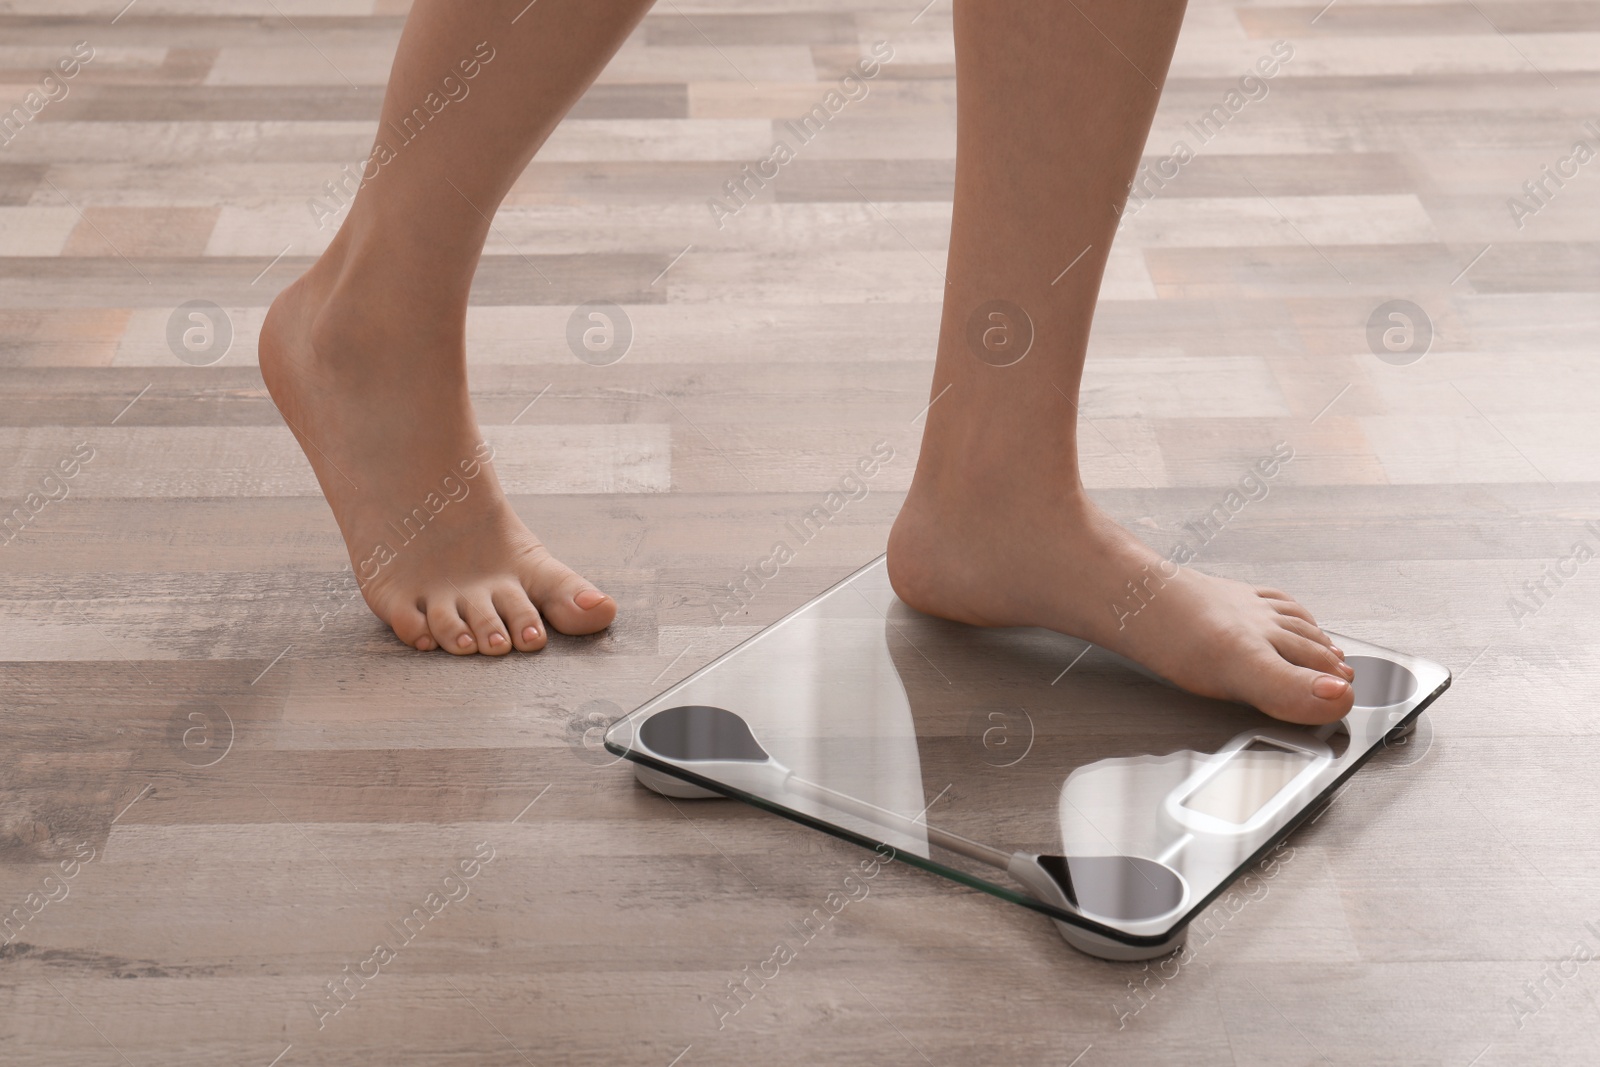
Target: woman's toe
411	626
1300	694
521	618
1286	604
447	627
567	599
488	629
1308	653
1296	625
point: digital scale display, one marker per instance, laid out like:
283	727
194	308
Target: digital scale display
1251	777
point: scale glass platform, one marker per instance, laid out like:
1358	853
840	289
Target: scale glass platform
1022	762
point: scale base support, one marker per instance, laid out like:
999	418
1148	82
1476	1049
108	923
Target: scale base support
668	786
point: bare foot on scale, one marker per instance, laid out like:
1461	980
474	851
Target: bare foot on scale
959	552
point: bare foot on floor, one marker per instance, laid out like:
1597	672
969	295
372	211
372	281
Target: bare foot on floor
375	390
965	554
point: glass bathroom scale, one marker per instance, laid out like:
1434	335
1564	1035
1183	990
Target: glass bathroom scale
1022	762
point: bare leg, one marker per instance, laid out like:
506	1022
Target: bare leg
1054	102
365	354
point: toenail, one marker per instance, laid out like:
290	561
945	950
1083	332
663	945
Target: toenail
1348	671
424	644
495	640
1336	650
464	641
1328	687
588	598
530	634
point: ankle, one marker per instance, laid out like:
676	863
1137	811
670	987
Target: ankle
378	275
1002	472
364	312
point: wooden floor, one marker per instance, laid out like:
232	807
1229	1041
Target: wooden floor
222	782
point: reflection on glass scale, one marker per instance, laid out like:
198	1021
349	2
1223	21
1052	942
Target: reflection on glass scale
1123	805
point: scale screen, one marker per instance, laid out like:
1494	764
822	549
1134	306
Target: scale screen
1250	778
